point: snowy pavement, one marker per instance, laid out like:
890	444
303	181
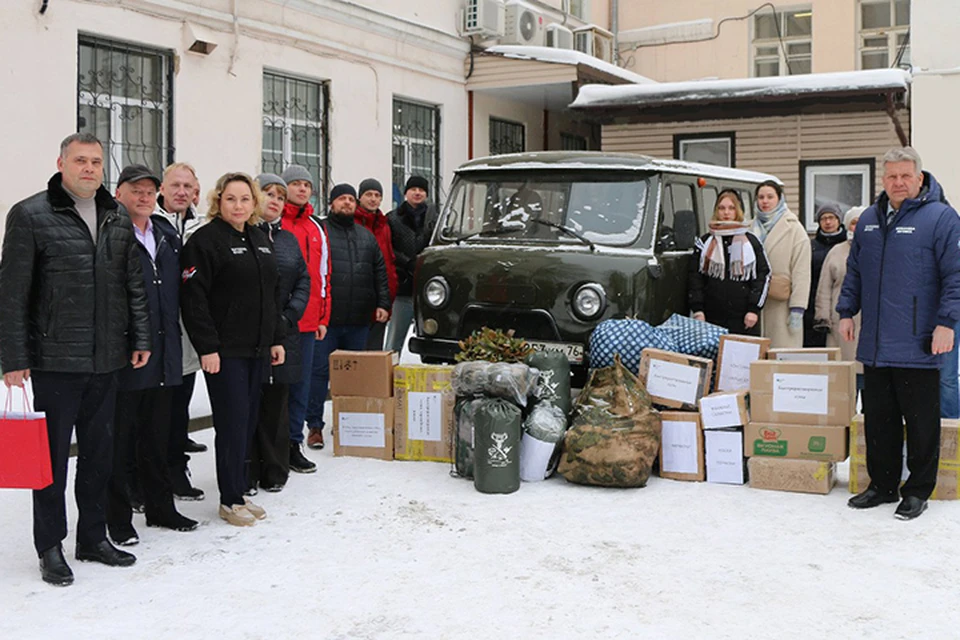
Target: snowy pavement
371	549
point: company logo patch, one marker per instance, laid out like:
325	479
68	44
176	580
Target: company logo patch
188	273
264	249
238	251
906	229
871	227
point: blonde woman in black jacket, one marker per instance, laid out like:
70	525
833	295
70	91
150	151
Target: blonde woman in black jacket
230	310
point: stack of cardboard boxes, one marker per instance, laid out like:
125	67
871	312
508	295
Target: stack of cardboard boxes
361	383
800	412
948	472
425	419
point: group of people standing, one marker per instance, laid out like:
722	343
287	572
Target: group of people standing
881	282
113	302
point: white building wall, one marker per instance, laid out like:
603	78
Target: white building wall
368	57
935	52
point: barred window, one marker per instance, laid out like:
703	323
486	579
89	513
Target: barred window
416	146
125	98
506	137
571	142
295	130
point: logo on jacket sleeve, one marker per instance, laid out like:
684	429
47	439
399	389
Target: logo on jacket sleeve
188	273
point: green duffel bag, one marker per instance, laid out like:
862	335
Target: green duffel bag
466	413
496	461
614	437
553	385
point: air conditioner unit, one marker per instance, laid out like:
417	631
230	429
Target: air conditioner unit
484	18
594	41
559	37
523	25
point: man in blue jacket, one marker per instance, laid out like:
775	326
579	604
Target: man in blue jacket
903	274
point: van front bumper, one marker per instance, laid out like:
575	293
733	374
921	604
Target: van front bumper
434	348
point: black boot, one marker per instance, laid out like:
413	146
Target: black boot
193	446
299	462
871	498
123	535
182	489
105	553
54	568
910	508
172	520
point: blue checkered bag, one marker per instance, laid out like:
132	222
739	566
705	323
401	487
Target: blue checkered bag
628	338
692	337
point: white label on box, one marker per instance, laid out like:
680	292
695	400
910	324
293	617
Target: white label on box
804	357
724	456
361	430
424	416
679	441
719	412
800	393
535	458
735	363
673	381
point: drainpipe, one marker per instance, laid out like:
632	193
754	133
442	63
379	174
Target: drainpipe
892	112
615	27
469	125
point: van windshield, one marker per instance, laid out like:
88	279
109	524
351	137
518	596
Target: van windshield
604	208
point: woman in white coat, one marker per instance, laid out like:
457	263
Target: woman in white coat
788	250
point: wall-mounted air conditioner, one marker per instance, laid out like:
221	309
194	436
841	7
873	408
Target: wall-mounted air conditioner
484	18
559	37
523	25
594	41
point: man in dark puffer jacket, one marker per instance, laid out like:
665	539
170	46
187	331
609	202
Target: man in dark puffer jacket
74	312
358	290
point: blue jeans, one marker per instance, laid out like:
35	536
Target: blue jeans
300	391
348	337
949	388
400	320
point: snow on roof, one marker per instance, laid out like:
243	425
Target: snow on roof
550	160
566	56
741	88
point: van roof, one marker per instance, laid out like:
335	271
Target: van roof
605	160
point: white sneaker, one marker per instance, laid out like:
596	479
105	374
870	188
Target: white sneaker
237	515
255	510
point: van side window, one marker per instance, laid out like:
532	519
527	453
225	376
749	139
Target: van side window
709	201
747	197
678	218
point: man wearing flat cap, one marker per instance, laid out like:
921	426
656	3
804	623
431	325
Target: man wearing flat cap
74	313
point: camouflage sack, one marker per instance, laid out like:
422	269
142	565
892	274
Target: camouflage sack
615	434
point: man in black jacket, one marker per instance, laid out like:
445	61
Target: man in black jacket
74	312
358	290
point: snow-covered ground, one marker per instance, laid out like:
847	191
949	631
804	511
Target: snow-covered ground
371	549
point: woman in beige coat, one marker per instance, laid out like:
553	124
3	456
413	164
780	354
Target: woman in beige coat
788	250
828	291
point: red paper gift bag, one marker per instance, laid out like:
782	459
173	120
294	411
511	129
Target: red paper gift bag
24	448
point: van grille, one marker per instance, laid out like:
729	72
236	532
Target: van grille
532	324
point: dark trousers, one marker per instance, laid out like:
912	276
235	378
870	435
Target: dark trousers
348	337
87	401
375	338
890	396
269	457
235	400
141	429
180	422
300	391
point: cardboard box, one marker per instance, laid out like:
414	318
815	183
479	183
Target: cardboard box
817	393
681	446
363	427
796	442
424	420
675	380
810	354
799	476
724	410
734	357
723	452
367	374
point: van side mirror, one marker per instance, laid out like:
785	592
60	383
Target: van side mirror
685	229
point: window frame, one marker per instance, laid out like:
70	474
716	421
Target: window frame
509	123
113	146
566	139
583	14
782	56
288	123
891	33
679	139
833	167
407	142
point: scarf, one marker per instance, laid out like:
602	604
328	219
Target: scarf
743	259
765	220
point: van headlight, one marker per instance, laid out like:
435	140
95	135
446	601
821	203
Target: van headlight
436	292
589	301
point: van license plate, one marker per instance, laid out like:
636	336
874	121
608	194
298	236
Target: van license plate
572	350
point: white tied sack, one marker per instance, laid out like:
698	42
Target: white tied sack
543	432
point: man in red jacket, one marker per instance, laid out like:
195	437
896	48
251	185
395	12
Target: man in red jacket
298	219
368	214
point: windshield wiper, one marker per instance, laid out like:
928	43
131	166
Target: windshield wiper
495	231
566	230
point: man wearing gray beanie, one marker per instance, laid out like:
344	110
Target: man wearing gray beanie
369	215
358	292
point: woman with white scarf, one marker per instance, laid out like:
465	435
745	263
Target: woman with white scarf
788	251
728	276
